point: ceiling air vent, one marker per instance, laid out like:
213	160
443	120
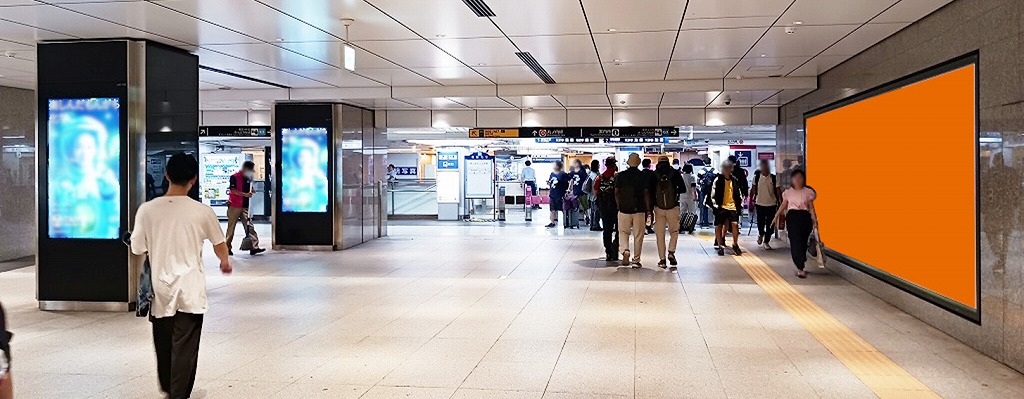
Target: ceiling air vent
535	67
479	8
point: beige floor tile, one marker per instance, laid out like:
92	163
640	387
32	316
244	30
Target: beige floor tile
524	351
464	393
385	392
510	376
524	312
309	390
425	372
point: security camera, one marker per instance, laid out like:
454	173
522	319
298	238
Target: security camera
728	100
790	30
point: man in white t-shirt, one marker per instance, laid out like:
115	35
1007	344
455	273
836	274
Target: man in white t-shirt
171	231
765	195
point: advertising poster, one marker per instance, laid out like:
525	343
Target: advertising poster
937	111
215	172
304	175
84	191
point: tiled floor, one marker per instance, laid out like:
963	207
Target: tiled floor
444	310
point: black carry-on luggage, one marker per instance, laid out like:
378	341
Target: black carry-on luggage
688	223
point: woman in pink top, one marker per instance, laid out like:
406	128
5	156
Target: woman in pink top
796	210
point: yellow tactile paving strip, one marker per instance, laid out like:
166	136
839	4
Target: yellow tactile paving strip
883	376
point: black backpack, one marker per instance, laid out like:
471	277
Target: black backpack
707	180
606	193
665	196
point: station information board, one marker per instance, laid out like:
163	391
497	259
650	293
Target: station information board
575	132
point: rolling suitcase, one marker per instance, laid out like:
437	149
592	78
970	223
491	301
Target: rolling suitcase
688	222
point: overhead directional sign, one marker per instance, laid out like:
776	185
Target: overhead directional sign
576	132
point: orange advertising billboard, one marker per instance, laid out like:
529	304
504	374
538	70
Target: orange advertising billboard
896	171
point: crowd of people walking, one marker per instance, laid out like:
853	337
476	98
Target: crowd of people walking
668	199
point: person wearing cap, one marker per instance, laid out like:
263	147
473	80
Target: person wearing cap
633	197
604	196
726	201
668	186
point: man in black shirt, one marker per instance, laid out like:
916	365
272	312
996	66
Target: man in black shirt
633	197
648	174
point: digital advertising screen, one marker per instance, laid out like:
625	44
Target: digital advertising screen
83	168
878	210
304	153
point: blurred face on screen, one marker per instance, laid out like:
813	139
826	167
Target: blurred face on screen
307	156
83	154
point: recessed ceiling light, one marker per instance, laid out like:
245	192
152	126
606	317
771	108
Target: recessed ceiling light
612	30
280	39
798	22
482	64
764	55
441	35
223	88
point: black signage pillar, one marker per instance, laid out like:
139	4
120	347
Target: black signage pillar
329	164
97	103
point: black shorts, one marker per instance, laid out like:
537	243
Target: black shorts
725	217
556	203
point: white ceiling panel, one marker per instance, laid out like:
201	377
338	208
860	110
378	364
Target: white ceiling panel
369	24
218	80
412	53
7	3
24	35
395	76
635	71
818	65
269	55
687	99
539	17
742	98
511	74
455	75
256	20
724	23
864	37
807	41
439	18
639	46
569	49
757	66
715	43
584	101
735	8
17	67
910	10
482	102
538	102
572	73
834	12
784	97
481	51
57	24
700	69
652	15
153	18
636	100
336	77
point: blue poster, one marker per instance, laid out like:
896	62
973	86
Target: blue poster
447	160
304	175
83	168
745	158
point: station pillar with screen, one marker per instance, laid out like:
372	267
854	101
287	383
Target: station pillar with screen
93	122
328	168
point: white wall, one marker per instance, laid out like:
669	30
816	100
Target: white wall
234	118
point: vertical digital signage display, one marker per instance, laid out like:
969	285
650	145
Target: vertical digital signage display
933	112
304	153
83	173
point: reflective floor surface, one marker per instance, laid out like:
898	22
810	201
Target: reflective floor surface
453	310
